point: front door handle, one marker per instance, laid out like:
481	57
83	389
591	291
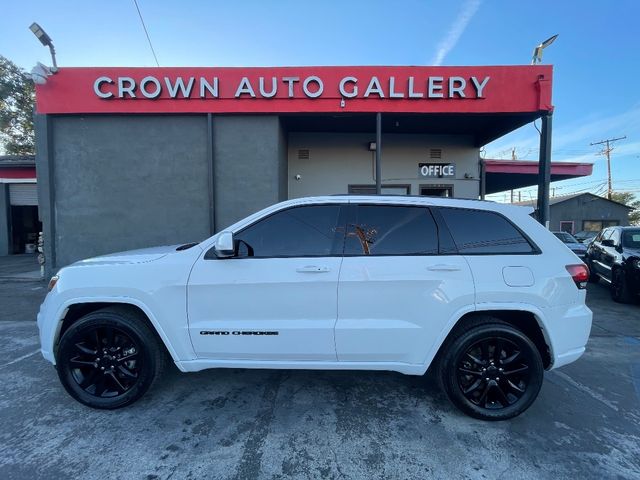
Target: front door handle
443	267
312	269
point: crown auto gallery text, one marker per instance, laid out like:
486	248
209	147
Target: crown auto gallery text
312	86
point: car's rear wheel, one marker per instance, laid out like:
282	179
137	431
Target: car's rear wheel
492	371
109	358
620	291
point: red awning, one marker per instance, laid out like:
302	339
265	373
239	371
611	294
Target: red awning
503	175
17	173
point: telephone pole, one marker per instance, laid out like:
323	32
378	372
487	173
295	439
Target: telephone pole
606	151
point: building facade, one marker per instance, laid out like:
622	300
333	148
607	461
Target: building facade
134	157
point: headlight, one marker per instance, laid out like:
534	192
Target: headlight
52	282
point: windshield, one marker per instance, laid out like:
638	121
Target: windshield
565	237
631	238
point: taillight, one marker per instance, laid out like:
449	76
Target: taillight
579	273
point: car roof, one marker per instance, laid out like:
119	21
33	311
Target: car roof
412	200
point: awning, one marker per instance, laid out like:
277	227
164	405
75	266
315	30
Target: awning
503	175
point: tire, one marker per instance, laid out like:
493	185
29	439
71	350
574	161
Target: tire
109	358
494	346
620	291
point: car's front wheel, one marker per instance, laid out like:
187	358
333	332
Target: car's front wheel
492	371
109	358
620	291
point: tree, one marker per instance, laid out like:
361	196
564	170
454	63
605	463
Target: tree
630	200
17	100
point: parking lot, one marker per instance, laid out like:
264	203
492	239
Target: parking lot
311	424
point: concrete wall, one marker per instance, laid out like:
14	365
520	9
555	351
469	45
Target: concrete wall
124	182
338	160
4	219
250	161
586	207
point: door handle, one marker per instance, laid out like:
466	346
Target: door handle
312	269
442	267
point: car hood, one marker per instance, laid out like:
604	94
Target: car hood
142	255
576	246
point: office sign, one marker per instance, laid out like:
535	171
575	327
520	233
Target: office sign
437	170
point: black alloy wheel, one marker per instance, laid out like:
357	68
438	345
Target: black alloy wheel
109	358
620	291
491	370
493	373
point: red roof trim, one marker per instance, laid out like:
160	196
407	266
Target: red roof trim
13	173
531	167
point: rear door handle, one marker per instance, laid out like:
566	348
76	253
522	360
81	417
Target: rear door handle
443	267
313	269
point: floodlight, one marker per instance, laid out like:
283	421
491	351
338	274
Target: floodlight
537	52
46	41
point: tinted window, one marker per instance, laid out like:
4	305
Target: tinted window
631	238
391	230
477	231
296	232
565	237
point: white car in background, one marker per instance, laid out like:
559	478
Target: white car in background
478	291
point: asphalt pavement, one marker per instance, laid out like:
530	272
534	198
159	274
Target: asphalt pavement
247	424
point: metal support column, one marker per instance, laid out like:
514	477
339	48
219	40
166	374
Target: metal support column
378	153
544	169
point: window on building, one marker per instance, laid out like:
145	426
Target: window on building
597	225
307	231
391	230
566	226
386	189
483	232
436	190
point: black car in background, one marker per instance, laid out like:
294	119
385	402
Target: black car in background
614	257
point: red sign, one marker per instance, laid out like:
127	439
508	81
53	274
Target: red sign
297	89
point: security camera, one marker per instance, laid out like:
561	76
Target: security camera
298	177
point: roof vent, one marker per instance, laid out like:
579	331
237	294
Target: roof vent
303	154
435	153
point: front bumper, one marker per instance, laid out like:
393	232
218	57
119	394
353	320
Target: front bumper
47	327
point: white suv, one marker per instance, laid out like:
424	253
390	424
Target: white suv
478	290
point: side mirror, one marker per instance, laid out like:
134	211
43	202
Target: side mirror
607	243
225	246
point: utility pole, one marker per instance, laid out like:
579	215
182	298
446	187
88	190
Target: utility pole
606	151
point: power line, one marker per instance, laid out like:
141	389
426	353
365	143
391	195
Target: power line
146	32
607	152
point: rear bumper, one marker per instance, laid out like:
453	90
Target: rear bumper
568	329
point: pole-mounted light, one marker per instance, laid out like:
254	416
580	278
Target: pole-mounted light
46	41
537	52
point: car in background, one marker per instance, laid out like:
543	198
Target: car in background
586	236
614	257
570	241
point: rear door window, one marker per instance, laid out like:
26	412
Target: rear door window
484	232
391	230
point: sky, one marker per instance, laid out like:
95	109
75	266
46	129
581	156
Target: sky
596	57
